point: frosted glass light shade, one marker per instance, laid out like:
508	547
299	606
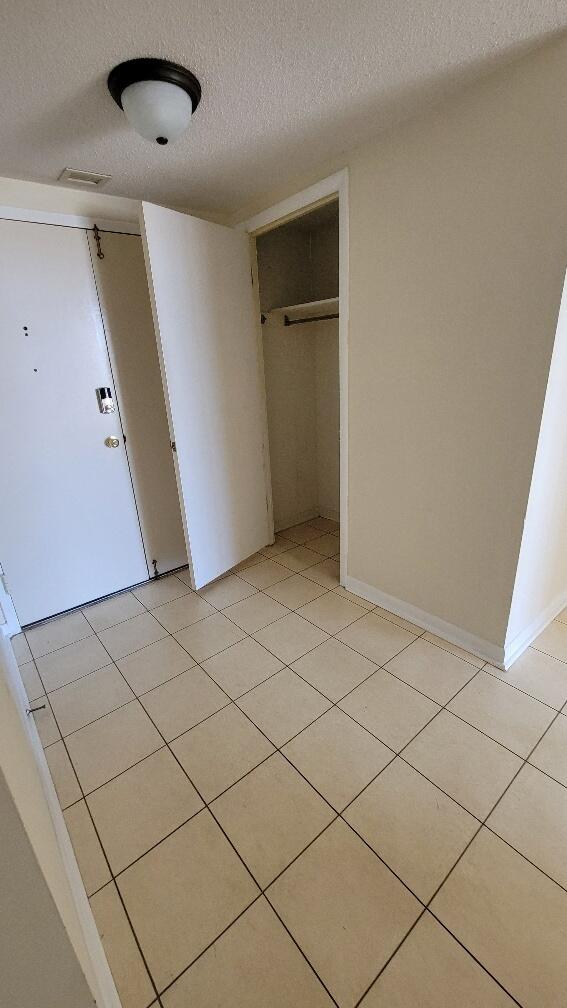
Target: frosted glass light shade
157	110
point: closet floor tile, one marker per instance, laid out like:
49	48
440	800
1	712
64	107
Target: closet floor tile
301	533
299	558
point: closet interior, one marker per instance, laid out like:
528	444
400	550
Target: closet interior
298	275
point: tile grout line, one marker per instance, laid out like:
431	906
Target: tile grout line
232	845
463	852
333	704
112	880
427	906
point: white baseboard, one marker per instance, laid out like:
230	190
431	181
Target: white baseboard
455	635
514	648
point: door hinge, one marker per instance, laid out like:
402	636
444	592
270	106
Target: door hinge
173	446
5	584
99	252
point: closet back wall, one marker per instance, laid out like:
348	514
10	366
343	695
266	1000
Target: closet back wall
289	369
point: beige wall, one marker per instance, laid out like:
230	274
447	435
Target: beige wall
283	268
458	246
54	924
540	591
37	962
289	369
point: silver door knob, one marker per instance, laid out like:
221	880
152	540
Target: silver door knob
112	442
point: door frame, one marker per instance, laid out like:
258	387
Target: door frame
266	220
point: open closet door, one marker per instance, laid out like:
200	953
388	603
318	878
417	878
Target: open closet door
204	314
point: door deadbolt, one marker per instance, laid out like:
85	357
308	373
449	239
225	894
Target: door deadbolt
112	442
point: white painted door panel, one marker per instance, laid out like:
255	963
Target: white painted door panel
122	285
68	524
204	312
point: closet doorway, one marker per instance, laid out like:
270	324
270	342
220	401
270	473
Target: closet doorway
300	259
298	281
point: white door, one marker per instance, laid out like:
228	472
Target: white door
68	525
122	286
204	313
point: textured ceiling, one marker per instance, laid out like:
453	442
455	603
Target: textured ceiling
286	85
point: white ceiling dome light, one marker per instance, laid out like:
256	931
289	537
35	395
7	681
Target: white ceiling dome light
158	97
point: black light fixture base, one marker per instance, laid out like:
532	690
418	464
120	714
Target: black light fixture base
146	68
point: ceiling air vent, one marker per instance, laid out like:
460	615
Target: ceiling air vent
90	180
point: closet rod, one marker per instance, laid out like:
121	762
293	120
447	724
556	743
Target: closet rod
312	318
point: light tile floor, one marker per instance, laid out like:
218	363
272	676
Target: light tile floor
280	795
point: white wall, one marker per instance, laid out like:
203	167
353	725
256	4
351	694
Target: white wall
64	199
540	590
326	336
